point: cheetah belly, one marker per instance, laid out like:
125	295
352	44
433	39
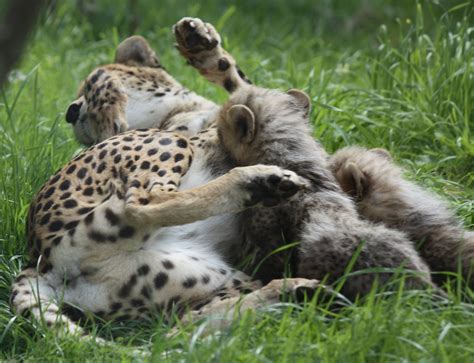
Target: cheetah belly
213	237
145	110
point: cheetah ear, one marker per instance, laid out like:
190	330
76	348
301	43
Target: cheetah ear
135	51
382	152
242	120
301	98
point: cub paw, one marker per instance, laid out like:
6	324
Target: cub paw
270	185
194	36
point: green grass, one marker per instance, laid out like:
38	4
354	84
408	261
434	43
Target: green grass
390	74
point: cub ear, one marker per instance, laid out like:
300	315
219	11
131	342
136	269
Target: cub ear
301	98
242	121
135	51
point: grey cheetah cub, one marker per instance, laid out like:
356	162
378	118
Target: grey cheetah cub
259	126
383	195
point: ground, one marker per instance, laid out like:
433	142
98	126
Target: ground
397	75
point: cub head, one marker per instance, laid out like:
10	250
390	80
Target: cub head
258	125
100	108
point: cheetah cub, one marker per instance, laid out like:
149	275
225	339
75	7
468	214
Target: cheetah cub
259	126
383	195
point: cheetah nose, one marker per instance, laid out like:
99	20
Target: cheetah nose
72	113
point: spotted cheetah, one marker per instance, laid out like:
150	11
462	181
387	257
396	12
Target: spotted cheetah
145	221
137	92
134	225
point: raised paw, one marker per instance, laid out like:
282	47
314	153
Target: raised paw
194	36
270	185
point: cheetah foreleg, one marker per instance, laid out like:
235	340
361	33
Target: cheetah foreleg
235	191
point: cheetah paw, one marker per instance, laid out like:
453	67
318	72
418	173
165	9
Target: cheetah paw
194	36
270	185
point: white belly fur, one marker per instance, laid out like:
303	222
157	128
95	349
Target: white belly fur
212	236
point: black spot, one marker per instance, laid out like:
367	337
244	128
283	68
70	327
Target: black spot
113	152
182	143
162	173
89	218
88	191
88	181
138	147
145	165
135	184
222	271
48	205
167	264
71	169
126	232
49	192
128	138
159	94
165	141
88	159
205	279
65	196
101	167
143	270
148	140
54	179
178	157
128	286
143	201
189	282
57	240
70	203
165	156
97	236
112	217
84	210
55	226
152	152
102	154
177	169
160	280
117	159
45	219
65	185
223	64
236	282
154	168
115	306
71	225
229	85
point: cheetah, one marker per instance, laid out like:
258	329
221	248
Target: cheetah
383	195
145	222
411	214
133	225
137	92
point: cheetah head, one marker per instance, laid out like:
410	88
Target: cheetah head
100	109
257	122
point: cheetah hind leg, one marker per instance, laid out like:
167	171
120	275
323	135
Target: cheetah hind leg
200	44
32	293
220	313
